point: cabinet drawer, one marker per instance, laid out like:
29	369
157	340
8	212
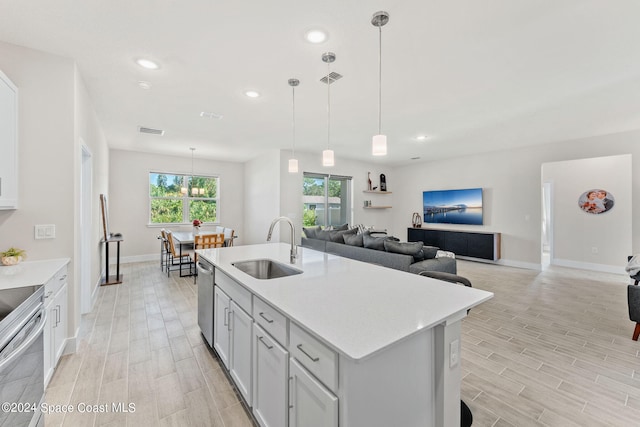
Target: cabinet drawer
236	292
271	320
319	359
54	284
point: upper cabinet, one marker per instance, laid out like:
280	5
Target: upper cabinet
8	143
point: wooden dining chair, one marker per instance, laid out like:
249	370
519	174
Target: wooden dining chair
175	256
228	236
205	241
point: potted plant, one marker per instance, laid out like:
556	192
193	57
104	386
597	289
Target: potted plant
196	226
12	256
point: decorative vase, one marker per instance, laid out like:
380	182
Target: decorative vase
196	230
11	260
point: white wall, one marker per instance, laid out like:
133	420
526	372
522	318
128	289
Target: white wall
261	197
129	197
54	112
575	232
512	183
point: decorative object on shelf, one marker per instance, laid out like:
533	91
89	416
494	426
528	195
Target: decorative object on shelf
327	155
12	256
379	141
293	162
416	220
369	180
596	201
383	182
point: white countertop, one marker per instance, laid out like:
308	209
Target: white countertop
356	308
29	273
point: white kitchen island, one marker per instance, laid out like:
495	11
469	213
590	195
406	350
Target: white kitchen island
344	343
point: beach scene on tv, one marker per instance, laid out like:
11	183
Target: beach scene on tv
453	206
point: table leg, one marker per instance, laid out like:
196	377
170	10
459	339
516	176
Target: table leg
118	263
106	268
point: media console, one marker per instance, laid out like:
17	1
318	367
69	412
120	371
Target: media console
463	243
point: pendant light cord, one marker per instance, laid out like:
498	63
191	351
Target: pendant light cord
328	103
380	83
293	120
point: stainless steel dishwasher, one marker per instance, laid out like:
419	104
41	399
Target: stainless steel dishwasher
205	299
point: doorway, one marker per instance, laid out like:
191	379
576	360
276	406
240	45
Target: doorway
86	230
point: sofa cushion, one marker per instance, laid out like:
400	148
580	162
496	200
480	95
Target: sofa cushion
334	235
342	227
413	248
311	232
353	239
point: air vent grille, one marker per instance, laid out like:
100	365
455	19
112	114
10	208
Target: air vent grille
152	131
332	77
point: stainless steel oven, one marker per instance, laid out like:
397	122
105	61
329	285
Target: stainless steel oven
22	322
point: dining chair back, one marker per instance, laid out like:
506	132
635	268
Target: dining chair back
206	241
228	236
174	256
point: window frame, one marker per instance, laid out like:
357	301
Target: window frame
185	198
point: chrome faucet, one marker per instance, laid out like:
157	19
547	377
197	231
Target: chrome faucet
294	248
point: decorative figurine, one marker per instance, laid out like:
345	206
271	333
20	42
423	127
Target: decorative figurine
383	182
369	179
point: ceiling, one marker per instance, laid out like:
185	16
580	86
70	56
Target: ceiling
474	76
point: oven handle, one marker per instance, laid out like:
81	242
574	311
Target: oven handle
30	340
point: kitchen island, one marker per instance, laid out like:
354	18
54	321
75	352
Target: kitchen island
357	344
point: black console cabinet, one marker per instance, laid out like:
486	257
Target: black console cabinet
462	243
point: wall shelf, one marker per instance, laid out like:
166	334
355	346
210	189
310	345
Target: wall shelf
376	207
376	192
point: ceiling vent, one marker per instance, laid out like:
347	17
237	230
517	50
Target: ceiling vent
332	77
142	129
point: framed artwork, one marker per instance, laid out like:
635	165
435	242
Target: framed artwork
105	216
596	201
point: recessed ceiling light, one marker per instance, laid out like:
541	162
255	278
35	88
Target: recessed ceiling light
252	94
208	115
144	85
421	137
315	36
147	63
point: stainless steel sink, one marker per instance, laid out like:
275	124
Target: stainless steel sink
265	268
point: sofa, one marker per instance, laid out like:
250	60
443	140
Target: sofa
383	250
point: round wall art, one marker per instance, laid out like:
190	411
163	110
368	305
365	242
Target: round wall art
596	201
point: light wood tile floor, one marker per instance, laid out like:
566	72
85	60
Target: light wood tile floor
551	348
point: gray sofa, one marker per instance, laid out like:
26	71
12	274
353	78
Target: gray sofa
398	261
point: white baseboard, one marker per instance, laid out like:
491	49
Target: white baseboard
605	268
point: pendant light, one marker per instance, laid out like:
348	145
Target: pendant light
194	190
379	141
293	162
327	155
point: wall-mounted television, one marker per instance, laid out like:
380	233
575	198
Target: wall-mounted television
453	206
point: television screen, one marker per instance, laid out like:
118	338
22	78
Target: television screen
453	206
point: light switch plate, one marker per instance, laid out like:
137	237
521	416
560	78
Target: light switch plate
45	231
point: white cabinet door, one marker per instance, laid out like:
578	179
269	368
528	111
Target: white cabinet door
270	363
240	352
60	324
8	143
49	334
221	325
311	404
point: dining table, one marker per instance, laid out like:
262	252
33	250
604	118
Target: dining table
184	238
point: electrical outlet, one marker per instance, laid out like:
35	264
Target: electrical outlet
454	353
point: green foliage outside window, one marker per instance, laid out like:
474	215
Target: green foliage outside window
169	205
308	217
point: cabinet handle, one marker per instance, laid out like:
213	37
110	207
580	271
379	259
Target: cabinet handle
226	318
229	321
313	359
290	391
266	345
63	277
57	314
265	318
48	294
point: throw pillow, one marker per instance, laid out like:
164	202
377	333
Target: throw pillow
324	235
311	232
414	249
341	227
371	242
338	235
429	251
353	239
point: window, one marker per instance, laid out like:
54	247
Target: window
326	199
178	199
